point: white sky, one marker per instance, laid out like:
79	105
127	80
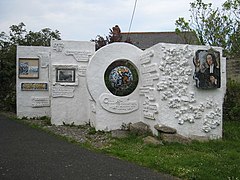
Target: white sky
85	19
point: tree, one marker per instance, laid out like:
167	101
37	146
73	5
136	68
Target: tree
114	36
18	35
233	7
214	27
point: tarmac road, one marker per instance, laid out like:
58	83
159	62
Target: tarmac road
27	153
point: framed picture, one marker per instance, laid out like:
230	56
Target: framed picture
28	68
65	75
207	69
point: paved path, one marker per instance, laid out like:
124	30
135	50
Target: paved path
27	153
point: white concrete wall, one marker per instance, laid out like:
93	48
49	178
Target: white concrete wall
33	103
166	93
70	101
105	119
193	112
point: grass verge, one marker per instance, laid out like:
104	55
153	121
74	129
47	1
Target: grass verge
216	159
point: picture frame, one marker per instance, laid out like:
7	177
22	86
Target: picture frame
65	75
207	69
28	68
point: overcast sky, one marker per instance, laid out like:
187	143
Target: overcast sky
84	19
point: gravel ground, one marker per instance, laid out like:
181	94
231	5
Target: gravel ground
80	134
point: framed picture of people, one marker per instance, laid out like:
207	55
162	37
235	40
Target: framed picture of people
28	68
207	69
65	75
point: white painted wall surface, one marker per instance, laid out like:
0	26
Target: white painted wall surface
166	93
104	119
25	98
70	107
179	109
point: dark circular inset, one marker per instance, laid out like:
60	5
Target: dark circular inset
121	77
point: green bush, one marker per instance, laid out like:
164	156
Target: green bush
231	106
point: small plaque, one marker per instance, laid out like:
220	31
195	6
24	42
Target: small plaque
40	102
118	105
146	58
34	86
82	70
149	68
149	110
147	79
63	91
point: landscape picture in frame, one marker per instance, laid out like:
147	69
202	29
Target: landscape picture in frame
65	75
28	68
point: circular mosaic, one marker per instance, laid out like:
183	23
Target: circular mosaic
121	78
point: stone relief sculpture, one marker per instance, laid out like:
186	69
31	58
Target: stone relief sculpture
173	85
79	56
58	46
166	84
118	105
149	73
44	59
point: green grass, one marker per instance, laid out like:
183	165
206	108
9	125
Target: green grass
218	159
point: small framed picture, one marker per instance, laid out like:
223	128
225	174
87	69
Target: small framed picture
28	68
65	75
207	69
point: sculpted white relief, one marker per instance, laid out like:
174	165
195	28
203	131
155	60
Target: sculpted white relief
149	68
166	88
149	73
119	105
147	79
149	110
176	72
82	70
213	118
148	92
63	91
80	56
93	106
209	103
146	57
44	59
58	46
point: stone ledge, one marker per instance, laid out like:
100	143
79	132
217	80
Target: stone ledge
165	129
